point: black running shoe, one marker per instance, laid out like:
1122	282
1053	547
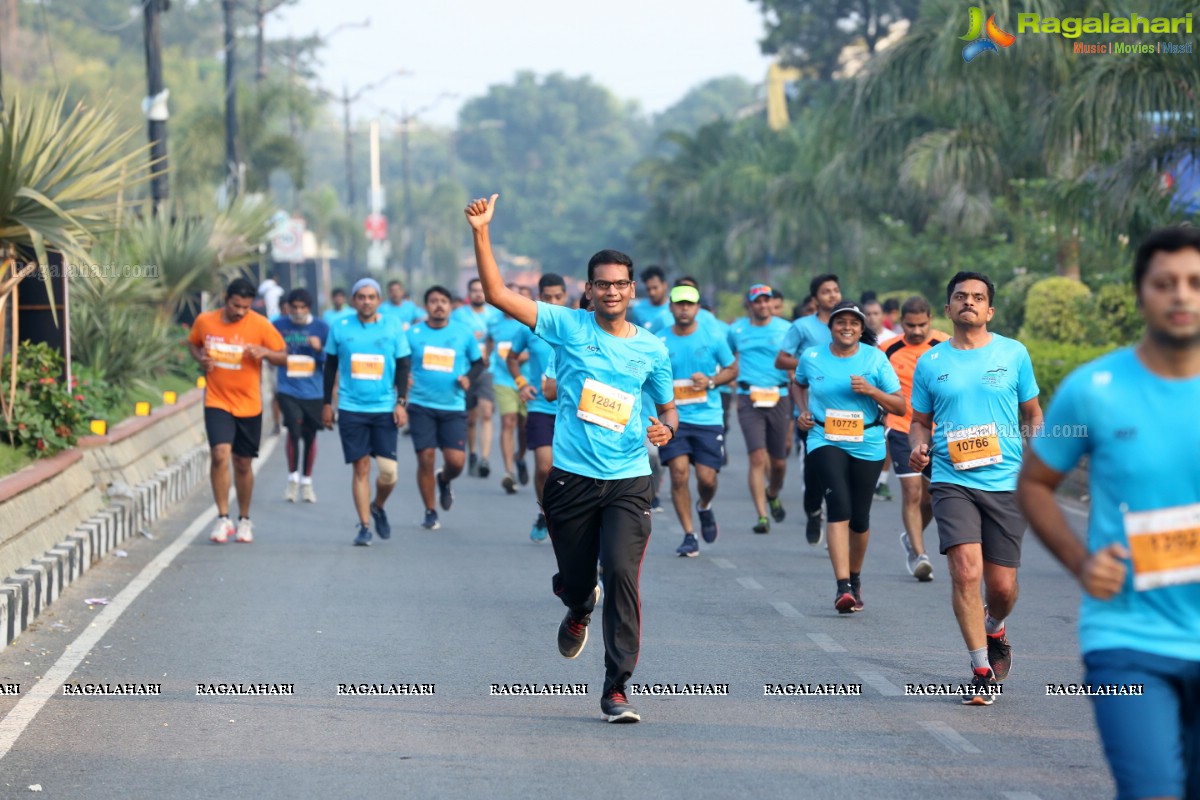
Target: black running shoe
777	511
572	634
382	527
473	465
763	526
614	707
844	603
484	469
999	655
522	472
445	496
812	531
856	590
983	691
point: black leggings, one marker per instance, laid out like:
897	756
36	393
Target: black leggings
848	484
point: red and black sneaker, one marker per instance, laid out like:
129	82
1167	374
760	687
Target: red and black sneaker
983	689
572	634
999	654
845	602
614	707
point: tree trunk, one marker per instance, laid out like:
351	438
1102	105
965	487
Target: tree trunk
1067	256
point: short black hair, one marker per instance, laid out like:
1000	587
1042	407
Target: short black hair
240	287
776	294
972	276
473	280
337	291
395	283
687	280
652	271
550	279
816	283
300	296
914	305
1164	240
615	257
442	290
892	304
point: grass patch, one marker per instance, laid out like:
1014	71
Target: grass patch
12	460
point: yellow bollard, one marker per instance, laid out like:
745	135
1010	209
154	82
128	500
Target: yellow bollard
142	409
100	427
169	398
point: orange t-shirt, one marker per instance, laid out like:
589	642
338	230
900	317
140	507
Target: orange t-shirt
235	381
903	357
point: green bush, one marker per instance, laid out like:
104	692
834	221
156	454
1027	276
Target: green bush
1057	310
46	415
1054	361
1011	297
1115	317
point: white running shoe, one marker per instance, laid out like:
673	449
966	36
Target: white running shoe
306	490
245	532
222	531
293	487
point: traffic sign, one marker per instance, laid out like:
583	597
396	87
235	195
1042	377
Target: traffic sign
376	227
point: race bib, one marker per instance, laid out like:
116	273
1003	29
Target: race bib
226	356
438	359
973	447
503	348
843	426
1165	546
301	366
764	396
604	405
366	366
686	394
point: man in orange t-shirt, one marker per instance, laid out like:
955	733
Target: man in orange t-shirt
231	345
917	509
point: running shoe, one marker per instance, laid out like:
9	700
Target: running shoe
522	472
844	603
656	505
777	511
509	483
856	590
614	707
999	654
983	689
382	526
708	524
222	531
484	469
923	571
292	490
364	536
245	531
473	465
572	634
445	496
308	493
882	492
539	530
690	547
763	526
813	530
431	521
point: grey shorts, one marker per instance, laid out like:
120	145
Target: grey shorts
766	428
481	389
965	515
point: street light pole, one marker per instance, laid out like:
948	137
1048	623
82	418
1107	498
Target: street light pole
232	163
156	104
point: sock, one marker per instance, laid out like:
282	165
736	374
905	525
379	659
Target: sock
223	516
240	518
294	477
703	507
855	579
979	659
843	587
994	627
306	480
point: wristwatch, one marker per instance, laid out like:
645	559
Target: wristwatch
669	427
402	401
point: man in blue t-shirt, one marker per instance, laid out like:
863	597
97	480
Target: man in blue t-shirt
700	362
477	315
597	498
299	391
537	391
339	308
978	389
446	359
398	305
652	312
1132	413
367	357
764	407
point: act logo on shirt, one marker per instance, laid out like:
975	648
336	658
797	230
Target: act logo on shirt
945	376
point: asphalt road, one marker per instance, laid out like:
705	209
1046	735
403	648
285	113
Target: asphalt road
469	606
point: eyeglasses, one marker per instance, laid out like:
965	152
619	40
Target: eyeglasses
602	286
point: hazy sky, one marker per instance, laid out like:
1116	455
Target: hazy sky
651	51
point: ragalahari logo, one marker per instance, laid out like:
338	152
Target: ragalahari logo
982	37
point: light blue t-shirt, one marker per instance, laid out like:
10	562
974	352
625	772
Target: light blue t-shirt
828	380
973	396
601	376
805	333
366	355
332	315
651	317
1140	433
407	313
477	323
503	331
703	350
440	357
541	356
756	347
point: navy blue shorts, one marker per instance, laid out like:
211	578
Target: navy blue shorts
702	444
539	430
367	435
435	428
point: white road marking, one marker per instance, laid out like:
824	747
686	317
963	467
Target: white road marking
826	643
952	739
723	563
786	609
23	713
749	583
880	684
1020	796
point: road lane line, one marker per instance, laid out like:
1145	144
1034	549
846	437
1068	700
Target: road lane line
880	684
749	583
23	713
952	739
723	563
826	643
1020	796
786	609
